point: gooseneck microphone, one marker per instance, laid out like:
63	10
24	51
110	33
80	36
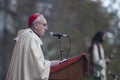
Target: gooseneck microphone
59	35
115	77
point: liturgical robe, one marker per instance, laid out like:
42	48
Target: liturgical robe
96	59
27	61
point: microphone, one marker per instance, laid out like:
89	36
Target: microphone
111	56
115	77
59	35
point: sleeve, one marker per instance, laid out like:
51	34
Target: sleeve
96	58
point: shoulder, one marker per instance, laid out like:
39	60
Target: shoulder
28	35
34	37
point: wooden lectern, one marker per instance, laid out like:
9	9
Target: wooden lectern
72	69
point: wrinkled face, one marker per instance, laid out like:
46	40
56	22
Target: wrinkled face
40	27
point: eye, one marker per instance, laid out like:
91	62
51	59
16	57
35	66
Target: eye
44	24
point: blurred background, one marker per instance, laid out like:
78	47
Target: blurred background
79	19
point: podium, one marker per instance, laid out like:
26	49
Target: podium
75	68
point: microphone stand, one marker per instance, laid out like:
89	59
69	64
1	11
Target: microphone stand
61	49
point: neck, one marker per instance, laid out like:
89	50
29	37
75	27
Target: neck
35	32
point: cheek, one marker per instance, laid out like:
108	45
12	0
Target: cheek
41	30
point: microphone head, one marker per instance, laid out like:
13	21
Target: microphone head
111	56
51	33
109	72
58	34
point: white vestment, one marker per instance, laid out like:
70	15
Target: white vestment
27	61
100	62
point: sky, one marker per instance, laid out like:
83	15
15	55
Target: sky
114	6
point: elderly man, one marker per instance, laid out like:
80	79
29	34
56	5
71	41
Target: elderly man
28	62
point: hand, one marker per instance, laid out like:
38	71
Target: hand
55	62
108	60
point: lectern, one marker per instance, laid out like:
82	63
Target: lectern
75	68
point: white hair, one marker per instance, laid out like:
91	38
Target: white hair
38	19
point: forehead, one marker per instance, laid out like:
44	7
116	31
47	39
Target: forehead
43	20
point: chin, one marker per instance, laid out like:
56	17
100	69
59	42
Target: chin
42	34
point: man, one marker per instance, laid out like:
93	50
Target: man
27	62
97	56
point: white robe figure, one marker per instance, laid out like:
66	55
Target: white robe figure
101	63
27	61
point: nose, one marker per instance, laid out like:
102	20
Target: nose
46	28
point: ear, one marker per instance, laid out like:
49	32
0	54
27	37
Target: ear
35	26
